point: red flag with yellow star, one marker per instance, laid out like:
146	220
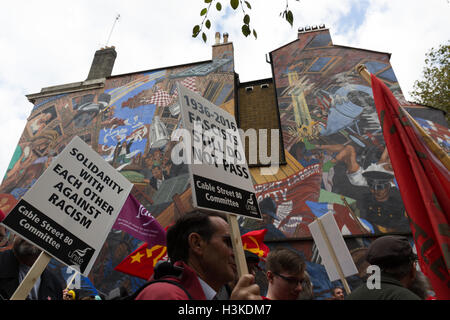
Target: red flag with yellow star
253	241
140	262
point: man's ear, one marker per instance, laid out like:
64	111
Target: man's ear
269	276
410	277
196	243
413	272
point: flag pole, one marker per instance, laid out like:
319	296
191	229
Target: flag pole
435	148
362	70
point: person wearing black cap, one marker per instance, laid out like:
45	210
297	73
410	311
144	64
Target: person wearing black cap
396	260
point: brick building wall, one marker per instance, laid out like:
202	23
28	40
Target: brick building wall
257	109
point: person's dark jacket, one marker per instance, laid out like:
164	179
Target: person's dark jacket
391	289
50	288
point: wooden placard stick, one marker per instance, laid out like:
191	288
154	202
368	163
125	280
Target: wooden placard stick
23	290
239	255
71	279
333	256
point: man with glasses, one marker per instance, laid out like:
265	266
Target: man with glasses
285	272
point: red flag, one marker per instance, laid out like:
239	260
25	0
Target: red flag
253	241
423	185
140	262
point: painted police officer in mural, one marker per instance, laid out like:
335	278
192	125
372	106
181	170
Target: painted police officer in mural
370	183
382	206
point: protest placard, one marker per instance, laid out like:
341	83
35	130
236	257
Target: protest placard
71	208
220	178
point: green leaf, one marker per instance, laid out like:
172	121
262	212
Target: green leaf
245	30
204	37
208	1
248	4
234	4
208	24
246	19
195	31
203	12
254	34
433	90
290	17
218	6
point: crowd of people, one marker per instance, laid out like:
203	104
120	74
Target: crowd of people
202	266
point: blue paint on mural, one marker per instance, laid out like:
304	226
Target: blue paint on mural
134	120
374	66
319	64
131	133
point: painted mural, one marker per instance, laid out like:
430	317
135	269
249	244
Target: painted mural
334	148
336	159
336	156
130	124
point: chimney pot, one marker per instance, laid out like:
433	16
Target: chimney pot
225	37
217	37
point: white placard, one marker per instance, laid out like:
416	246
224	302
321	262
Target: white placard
220	177
71	208
337	242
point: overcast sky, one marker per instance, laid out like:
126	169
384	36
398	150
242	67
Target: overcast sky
51	42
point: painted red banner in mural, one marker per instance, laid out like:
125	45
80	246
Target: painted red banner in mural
423	187
290	195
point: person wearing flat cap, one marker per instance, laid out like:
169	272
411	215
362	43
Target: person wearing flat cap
397	262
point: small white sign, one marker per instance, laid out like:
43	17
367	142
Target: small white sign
71	208
338	245
220	177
